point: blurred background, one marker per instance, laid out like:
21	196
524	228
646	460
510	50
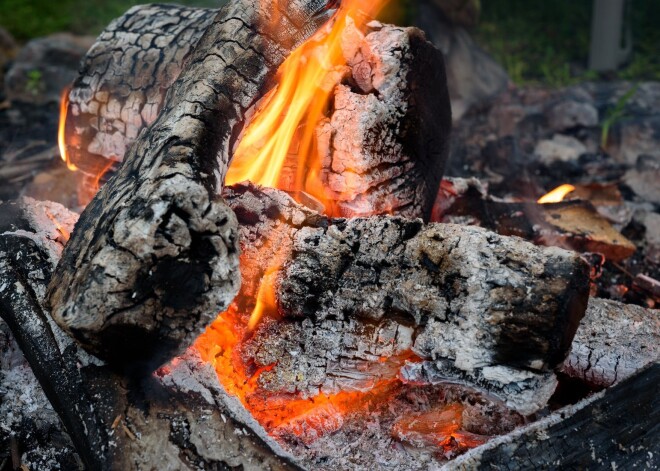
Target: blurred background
534	40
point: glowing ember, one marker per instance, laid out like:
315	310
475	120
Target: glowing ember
292	111
61	132
557	195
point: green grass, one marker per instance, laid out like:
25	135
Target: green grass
548	41
536	40
27	19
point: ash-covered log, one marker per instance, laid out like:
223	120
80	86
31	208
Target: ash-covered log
154	256
381	148
188	421
496	312
614	341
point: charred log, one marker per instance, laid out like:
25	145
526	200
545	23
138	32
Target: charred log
154	256
613	342
615	429
382	147
188	420
491	311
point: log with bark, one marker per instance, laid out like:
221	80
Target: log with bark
382	146
154	256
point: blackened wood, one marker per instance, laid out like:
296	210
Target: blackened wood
30	245
154	256
491	311
616	429
176	419
613	342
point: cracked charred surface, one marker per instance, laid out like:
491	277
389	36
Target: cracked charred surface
154	256
382	146
613	342
493	312
178	418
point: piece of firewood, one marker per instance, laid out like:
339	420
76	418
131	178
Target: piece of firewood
382	146
124	78
491	311
189	422
154	256
613	342
614	429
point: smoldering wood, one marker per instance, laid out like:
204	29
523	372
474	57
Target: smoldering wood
154	256
188	422
613	342
615	429
495	312
382	147
574	224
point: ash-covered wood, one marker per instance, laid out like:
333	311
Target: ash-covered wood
613	342
382	147
614	429
176	419
124	78
154	256
479	308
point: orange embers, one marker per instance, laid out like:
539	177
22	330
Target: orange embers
440	428
61	131
284	415
286	122
557	195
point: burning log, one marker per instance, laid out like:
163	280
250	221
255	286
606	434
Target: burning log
491	311
613	342
189	421
379	148
154	255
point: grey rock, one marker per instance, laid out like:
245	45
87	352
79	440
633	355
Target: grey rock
559	148
571	114
473	76
644	179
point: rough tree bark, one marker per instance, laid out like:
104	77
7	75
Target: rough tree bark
495	312
189	422
613	342
382	147
154	256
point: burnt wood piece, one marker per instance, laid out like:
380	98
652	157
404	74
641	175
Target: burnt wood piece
574	224
618	428
385	141
487	310
30	246
613	342
178	418
124	78
154	256
382	146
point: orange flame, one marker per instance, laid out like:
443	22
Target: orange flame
61	131
557	195
307	80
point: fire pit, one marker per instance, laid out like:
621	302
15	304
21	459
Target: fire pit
271	273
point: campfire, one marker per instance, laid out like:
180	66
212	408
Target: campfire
270	271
